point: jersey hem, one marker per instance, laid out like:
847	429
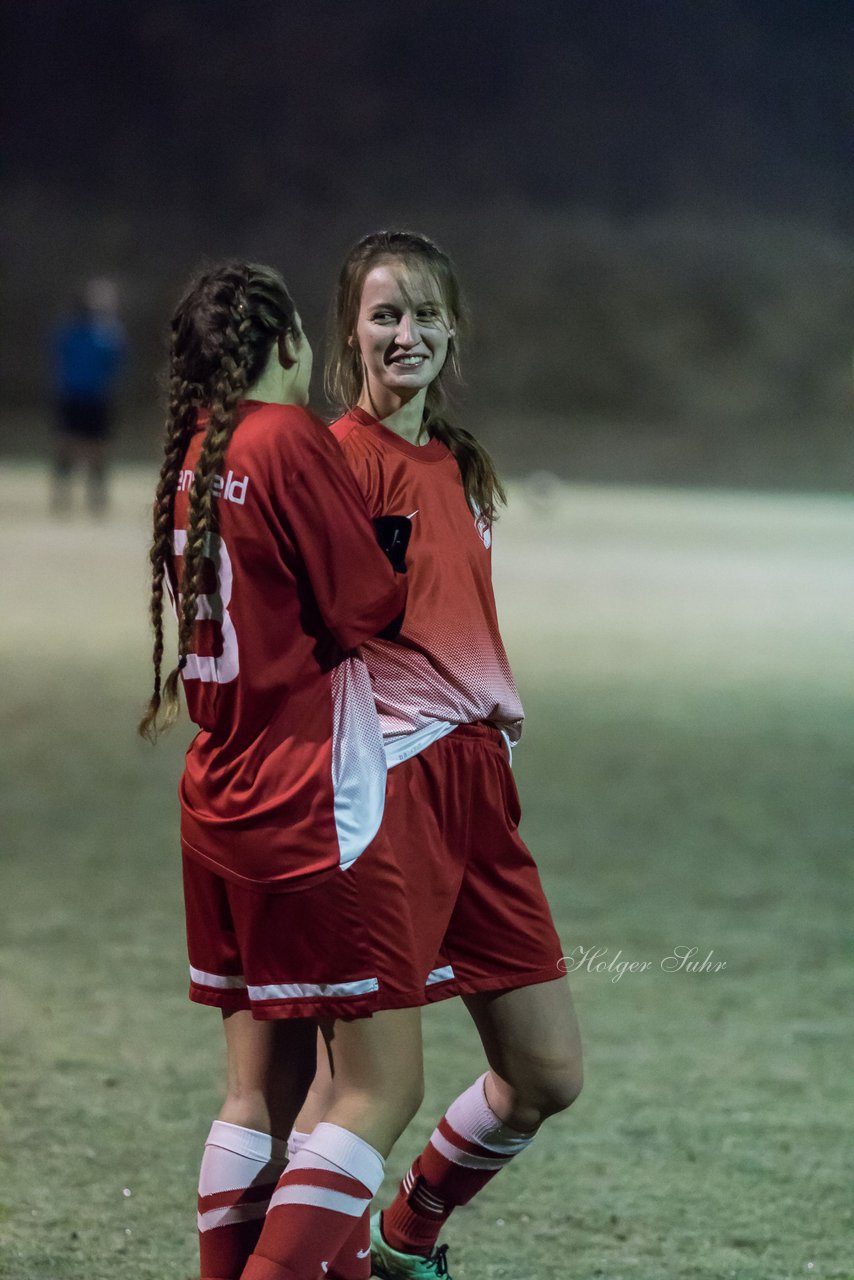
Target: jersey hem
289	884
406	745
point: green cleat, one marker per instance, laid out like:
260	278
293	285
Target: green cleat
388	1264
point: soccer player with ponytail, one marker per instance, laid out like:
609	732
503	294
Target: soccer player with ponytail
476	923
264	542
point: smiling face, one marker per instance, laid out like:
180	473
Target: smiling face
402	333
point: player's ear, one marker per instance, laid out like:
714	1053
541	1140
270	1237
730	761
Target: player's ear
288	349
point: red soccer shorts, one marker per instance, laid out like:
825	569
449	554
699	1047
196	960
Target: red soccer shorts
456	903
300	954
445	901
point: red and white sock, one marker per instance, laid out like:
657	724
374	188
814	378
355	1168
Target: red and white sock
466	1150
325	1190
296	1140
240	1169
353	1260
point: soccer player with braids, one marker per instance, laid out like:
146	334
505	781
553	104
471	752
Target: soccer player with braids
475	922
263	540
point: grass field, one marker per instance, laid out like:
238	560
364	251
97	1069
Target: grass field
686	662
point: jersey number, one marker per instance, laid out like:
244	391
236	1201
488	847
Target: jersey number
214	607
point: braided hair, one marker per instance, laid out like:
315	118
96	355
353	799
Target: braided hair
344	374
222	333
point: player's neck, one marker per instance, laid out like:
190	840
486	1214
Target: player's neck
276	384
398	415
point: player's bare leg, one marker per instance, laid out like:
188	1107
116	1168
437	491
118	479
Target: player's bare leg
319	1097
269	1068
377	1075
64	461
96	476
369	1077
533	1047
270	1065
319	1212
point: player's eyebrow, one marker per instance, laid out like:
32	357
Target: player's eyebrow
416	306
417	280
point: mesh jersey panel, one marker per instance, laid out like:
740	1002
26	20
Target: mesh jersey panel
448	664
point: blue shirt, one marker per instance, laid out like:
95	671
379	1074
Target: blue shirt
88	356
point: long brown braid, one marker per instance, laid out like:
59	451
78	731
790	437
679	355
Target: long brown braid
344	373
222	334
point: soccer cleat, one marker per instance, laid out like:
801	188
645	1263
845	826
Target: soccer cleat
388	1264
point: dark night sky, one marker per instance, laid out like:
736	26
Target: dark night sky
624	105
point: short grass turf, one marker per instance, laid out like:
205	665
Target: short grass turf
686	775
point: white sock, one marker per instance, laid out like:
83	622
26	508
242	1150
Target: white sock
240	1169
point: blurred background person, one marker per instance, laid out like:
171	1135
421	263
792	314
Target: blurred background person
89	351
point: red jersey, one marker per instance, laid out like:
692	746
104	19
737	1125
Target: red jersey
286	776
448	665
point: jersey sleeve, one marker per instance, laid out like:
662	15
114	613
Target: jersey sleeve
367	471
357	591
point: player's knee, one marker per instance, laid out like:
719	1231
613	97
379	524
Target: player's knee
539	1093
560	1090
381	1112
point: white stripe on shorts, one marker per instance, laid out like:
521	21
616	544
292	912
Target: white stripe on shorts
221	981
230	1214
456	1156
320	1198
440	975
286	990
314	990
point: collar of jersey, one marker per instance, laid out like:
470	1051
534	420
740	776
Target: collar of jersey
432	451
203	414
